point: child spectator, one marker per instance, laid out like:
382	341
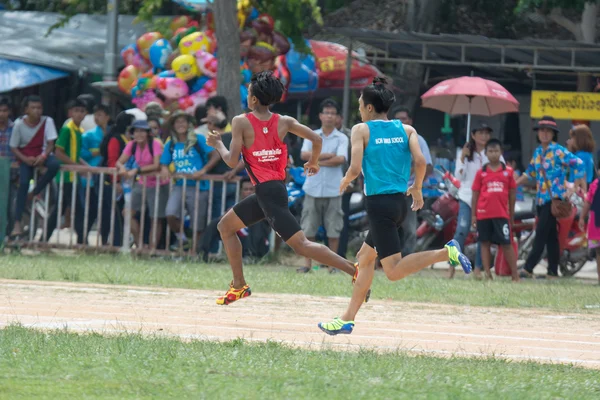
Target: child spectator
32	142
493	205
68	151
192	158
147	151
592	208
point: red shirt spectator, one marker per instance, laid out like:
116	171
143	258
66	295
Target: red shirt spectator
494	188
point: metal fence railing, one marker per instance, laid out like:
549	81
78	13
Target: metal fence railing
99	204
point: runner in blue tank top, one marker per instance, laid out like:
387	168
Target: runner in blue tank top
385	150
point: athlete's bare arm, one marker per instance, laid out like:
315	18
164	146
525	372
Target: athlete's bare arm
231	156
420	168
303	131
418	157
359	138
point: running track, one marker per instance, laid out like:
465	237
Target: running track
440	330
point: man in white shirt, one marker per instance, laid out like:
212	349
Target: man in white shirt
323	202
409	226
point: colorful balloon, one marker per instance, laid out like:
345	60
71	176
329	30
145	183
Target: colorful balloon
128	53
127	77
185	67
143	98
198	84
210	86
159	53
145	41
246	75
172	88
207	63
141	63
281	44
194	42
212	39
244	96
189	103
179	22
166	74
147	82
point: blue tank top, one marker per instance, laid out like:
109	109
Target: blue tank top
387	158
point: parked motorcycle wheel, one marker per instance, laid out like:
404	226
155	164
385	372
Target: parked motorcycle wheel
424	242
570	268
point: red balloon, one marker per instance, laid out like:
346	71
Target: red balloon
210	86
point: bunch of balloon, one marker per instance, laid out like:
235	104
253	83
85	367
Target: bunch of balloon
179	71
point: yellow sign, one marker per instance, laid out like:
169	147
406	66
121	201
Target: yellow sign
566	105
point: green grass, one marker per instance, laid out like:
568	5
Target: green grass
563	295
61	365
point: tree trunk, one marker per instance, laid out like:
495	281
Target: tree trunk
420	17
588	35
228	41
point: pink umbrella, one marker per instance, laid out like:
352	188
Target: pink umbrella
470	95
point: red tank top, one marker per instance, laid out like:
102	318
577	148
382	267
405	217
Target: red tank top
267	158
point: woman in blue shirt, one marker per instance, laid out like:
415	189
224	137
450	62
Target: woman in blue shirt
581	143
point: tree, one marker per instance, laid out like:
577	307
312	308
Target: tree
583	28
228	39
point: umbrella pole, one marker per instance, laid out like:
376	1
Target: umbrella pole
469	120
468	125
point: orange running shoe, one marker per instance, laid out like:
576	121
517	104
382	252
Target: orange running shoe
234	295
354	280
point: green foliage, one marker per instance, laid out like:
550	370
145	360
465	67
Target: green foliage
547	5
293	17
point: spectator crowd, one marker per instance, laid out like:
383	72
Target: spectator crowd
163	159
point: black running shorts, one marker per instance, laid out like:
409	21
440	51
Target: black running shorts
271	202
385	213
494	230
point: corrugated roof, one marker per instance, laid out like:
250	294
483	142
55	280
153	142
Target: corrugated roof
443	48
79	45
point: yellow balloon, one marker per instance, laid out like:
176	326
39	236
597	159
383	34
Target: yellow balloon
185	67
194	42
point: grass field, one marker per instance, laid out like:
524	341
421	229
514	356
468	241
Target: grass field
568	295
61	365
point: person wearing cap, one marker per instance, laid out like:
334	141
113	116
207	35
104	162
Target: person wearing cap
471	159
192	158
146	151
549	168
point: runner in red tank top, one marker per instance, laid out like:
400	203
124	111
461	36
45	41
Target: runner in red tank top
266	159
258	136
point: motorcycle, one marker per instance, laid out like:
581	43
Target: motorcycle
572	241
440	221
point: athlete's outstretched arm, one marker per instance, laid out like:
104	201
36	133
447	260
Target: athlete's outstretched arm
418	157
231	156
358	149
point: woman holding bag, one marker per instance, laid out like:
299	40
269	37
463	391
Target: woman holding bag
549	167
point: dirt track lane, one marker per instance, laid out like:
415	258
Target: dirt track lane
382	325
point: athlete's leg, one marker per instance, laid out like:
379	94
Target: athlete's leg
272	198
366	259
228	227
318	252
396	267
